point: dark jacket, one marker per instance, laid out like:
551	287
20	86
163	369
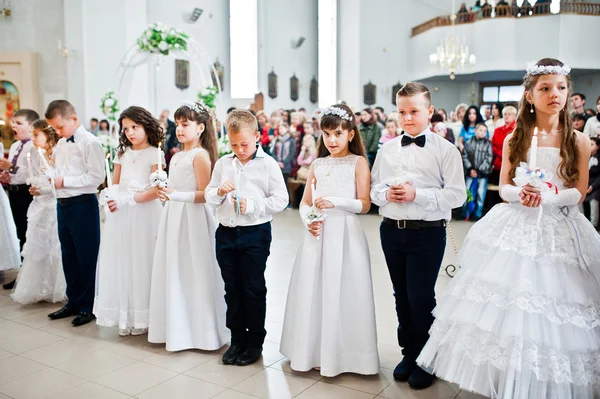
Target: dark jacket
284	151
370	135
477	156
594	178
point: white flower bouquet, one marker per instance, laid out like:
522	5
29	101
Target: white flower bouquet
160	39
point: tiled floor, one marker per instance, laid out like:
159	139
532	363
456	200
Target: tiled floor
40	358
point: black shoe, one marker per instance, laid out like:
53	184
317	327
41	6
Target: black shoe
62	313
9	286
250	355
420	379
83	318
404	369
232	354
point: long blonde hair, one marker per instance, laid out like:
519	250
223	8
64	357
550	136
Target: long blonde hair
521	138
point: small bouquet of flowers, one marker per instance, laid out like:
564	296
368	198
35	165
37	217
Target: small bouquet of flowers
159	179
537	178
314	214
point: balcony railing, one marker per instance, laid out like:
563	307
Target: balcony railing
508	11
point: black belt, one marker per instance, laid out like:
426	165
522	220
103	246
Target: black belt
414	224
75	200
18	187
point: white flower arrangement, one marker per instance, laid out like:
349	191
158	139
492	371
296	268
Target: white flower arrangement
160	39
223	145
109	105
159	179
548	69
339	112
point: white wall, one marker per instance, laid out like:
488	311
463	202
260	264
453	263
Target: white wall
36	26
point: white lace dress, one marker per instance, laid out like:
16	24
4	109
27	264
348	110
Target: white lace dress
41	277
521	319
330	312
187	304
9	242
126	252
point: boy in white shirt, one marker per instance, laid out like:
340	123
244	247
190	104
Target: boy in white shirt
247	187
79	170
416	181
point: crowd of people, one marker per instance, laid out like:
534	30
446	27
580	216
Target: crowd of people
182	257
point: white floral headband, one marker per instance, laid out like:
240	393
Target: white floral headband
337	112
533	69
193	106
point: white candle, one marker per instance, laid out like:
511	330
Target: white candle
533	150
108	178
29	165
158	151
236	176
42	154
313	191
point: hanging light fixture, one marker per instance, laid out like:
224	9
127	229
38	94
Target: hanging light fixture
453	53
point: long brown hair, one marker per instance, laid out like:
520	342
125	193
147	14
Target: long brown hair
521	138
153	129
208	138
333	122
51	136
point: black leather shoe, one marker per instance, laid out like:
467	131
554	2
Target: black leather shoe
420	379
62	313
232	354
83	318
9	286
404	369
250	355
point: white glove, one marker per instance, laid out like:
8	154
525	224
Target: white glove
45	190
304	211
345	204
570	196
123	201
182	196
510	193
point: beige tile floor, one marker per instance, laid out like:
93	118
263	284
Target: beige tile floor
40	358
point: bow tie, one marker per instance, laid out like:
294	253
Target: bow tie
407	140
71	139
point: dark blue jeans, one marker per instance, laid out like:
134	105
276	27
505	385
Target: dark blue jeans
242	254
79	235
413	258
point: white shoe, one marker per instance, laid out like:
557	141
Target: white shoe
139	331
124	332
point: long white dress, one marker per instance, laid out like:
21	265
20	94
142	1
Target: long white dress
187	303
127	249
41	277
522	317
330	312
9	242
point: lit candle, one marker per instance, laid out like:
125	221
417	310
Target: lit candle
533	150
313	191
42	154
159	157
108	178
29	165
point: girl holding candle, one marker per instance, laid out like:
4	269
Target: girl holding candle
41	277
125	264
522	317
330	313
187	304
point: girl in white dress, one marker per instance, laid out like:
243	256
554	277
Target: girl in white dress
330	312
9	242
126	251
522	317
187	305
41	277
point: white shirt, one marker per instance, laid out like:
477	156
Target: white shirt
81	163
260	181
22	166
435	170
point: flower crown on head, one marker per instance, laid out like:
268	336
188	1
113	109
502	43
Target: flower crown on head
193	106
533	69
337	112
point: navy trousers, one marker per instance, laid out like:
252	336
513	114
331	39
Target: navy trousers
79	235
20	199
413	258
242	254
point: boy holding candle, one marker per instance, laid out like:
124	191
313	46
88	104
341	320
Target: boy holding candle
79	170
245	208
15	172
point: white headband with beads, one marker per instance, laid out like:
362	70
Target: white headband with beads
337	112
533	69
193	106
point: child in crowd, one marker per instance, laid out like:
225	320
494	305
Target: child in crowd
248	188
391	131
308	153
283	150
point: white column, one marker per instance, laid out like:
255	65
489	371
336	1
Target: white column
243	34
348	50
327	58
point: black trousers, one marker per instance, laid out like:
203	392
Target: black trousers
19	204
413	258
79	235
242	254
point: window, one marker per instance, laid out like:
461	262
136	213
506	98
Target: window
243	33
327	64
504	92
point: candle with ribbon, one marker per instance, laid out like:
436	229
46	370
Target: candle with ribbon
158	154
42	154
313	191
29	165
236	184
107	165
533	150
